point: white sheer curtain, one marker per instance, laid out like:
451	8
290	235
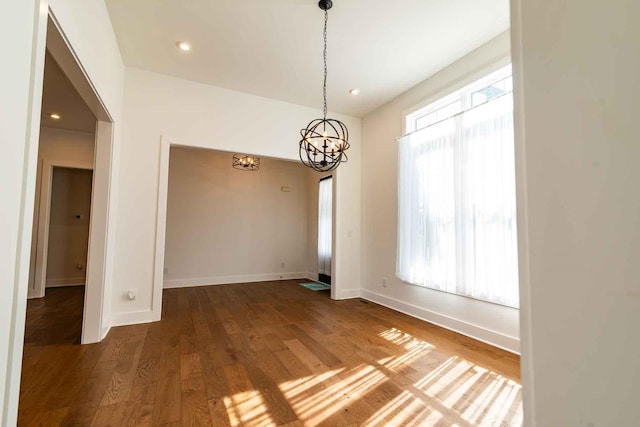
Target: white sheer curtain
325	203
456	205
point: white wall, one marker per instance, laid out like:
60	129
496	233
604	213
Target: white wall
485	321
57	145
87	26
204	116
63	144
89	31
346	279
226	225
578	98
18	23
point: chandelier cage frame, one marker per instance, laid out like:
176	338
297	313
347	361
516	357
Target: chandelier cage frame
246	162
324	141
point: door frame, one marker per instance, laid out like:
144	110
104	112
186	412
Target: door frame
161	224
51	38
44	216
95	323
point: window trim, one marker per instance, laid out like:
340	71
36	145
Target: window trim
453	85
463	94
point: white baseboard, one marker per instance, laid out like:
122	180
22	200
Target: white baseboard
68	281
348	293
312	276
223	280
496	339
106	327
32	293
134	318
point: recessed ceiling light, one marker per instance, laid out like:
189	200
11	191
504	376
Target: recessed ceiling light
55	116
354	91
184	46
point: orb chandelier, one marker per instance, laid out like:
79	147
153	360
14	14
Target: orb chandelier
324	141
246	162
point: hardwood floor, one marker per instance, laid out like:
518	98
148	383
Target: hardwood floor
259	355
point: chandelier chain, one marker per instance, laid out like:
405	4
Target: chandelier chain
324	87
324	142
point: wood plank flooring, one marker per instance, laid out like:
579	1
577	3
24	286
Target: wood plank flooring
261	354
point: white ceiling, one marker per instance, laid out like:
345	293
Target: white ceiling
60	97
273	48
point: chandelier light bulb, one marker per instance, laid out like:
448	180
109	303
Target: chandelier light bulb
184	46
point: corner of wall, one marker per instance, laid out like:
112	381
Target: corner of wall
134	318
106	327
343	294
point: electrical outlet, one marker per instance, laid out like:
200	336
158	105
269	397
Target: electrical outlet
166	270
384	282
282	265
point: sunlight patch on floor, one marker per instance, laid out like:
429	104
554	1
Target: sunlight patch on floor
415	349
301	385
480	396
344	389
404	410
248	409
467	391
396	363
404	339
501	400
455	392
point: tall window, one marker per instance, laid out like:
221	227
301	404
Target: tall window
456	194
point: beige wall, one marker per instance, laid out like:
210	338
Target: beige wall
68	234
485	321
57	146
225	225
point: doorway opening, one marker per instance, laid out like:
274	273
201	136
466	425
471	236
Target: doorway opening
67	244
69	214
62	212
71	206
325	229
171	225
